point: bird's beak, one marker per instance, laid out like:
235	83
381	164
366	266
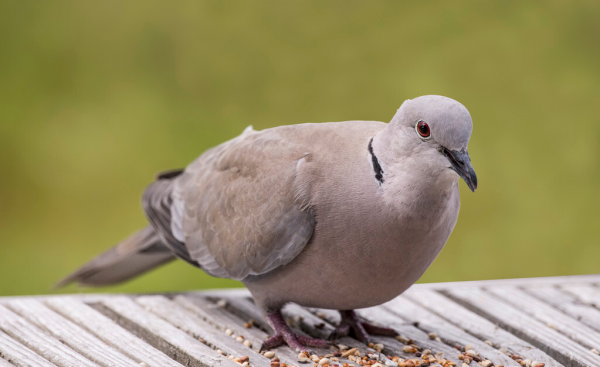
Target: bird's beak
461	164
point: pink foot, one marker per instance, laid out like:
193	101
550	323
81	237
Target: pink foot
285	335
351	324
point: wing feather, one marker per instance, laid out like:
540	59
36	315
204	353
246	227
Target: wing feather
240	208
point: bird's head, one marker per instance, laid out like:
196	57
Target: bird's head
436	130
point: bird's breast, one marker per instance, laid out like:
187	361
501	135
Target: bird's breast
361	256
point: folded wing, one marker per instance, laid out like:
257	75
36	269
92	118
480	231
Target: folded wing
243	207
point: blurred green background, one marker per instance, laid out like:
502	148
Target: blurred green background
96	97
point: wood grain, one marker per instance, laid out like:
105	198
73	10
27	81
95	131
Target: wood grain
477	325
69	333
513	319
19	355
109	332
161	334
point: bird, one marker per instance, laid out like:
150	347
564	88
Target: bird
336	215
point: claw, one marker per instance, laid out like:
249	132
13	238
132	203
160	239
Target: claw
284	335
360	329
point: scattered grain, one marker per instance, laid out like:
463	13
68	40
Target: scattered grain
246	364
143	364
402	339
349	352
432	336
247	343
595	351
220	352
378	347
229	332
487	363
239	339
409	349
269	354
303	358
489	343
537	364
323	361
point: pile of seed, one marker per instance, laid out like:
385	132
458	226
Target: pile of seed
424	358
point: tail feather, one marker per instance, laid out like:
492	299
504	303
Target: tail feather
133	256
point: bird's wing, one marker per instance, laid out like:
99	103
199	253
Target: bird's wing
241	208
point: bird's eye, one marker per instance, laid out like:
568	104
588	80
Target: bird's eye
423	129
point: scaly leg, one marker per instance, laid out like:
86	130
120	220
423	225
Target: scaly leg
285	335
361	330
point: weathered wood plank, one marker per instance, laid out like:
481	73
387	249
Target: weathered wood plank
41	343
72	335
384	317
558	346
19	355
543	312
563	281
109	332
5	363
222	319
219	317
586	293
246	310
568	304
162	335
450	334
198	328
477	325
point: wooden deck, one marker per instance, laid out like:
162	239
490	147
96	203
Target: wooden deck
550	321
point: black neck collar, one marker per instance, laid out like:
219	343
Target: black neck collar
376	166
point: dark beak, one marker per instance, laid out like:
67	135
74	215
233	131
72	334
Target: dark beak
461	164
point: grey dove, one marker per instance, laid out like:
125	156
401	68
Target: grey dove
339	215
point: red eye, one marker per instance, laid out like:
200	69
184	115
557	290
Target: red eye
423	129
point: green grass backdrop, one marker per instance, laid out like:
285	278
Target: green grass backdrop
96	97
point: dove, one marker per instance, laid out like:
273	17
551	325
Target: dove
338	215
